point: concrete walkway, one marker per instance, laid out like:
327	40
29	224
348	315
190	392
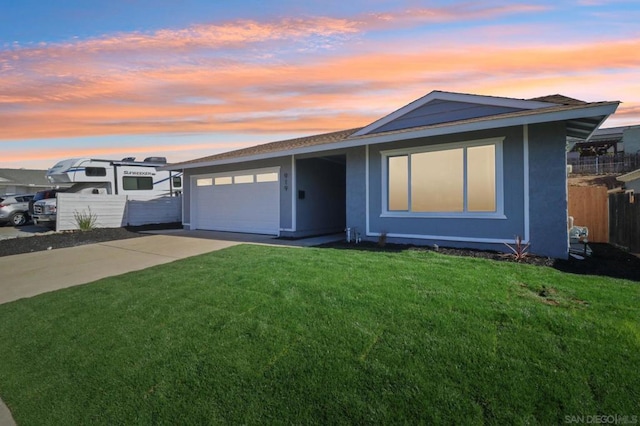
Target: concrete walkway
27	275
251	238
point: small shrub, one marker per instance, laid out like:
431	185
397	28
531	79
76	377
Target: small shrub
520	250
85	221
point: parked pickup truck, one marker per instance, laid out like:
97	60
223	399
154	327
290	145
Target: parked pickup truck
45	213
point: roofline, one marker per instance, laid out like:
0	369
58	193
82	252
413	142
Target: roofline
534	116
455	97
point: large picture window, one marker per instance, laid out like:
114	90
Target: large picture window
455	179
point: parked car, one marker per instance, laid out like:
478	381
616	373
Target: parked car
14	209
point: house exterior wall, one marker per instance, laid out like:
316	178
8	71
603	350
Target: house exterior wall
541	152
634	185
631	140
12	189
357	190
548	190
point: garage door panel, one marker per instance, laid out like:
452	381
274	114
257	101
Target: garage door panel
242	207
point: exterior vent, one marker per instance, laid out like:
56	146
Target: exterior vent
129	159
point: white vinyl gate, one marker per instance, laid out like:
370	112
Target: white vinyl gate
240	201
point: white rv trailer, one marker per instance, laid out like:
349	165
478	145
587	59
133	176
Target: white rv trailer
137	179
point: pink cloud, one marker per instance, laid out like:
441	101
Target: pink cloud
158	82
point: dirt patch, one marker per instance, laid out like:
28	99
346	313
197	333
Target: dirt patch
609	181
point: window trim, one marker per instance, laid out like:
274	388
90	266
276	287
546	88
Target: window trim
498	214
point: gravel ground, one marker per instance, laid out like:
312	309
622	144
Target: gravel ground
50	241
605	261
63	239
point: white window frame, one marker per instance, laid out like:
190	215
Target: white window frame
498	214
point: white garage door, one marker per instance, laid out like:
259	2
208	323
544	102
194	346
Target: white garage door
243	201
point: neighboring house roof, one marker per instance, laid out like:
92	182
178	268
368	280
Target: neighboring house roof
629	177
24	177
437	113
605	138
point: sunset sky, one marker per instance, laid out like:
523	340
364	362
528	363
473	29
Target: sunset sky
190	78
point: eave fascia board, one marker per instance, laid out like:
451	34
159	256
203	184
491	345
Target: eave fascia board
454	97
534	118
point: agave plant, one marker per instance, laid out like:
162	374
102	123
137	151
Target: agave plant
519	249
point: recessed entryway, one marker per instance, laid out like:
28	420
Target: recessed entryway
321	195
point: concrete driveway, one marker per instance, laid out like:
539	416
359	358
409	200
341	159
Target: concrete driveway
30	274
8	231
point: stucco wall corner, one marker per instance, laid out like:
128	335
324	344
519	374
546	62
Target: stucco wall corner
548	190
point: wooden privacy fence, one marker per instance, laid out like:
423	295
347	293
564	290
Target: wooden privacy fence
624	223
115	211
588	206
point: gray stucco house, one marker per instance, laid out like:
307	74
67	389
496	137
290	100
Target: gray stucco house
449	168
22	181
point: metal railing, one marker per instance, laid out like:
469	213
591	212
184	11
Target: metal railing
604	164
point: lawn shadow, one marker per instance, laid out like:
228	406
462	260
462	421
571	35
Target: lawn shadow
606	260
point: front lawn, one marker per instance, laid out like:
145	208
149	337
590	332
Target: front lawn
260	335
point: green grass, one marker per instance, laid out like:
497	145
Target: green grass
260	335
